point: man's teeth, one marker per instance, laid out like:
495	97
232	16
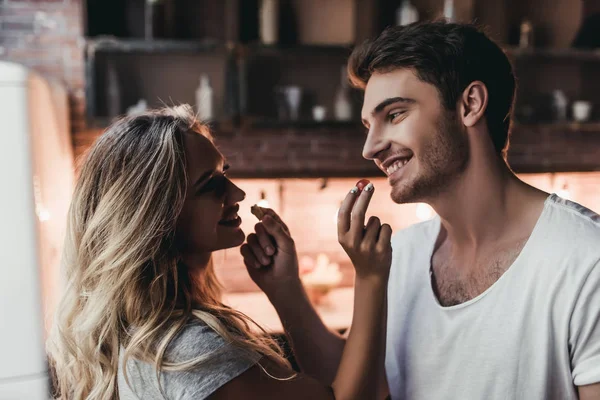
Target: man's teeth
397	165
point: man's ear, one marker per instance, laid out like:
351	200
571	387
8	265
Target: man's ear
473	103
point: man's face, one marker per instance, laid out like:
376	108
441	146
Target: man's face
411	137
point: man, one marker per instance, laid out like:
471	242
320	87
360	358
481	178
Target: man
499	296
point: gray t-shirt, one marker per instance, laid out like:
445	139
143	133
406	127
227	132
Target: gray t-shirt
195	340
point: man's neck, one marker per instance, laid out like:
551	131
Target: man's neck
477	208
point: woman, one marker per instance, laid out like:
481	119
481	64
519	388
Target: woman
151	205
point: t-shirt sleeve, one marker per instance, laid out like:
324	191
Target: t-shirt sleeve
584	337
225	362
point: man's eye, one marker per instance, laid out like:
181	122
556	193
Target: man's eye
394	115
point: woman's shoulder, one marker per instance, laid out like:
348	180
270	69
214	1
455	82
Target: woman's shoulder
220	361
195	339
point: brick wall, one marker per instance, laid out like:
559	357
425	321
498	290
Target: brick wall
317	152
308	152
47	36
337	152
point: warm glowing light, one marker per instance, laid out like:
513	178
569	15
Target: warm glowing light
43	215
564	192
424	212
263	203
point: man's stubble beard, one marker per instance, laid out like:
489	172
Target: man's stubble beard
442	162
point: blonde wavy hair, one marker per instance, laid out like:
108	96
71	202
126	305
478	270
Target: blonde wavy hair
127	288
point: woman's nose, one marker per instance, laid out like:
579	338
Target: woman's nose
235	194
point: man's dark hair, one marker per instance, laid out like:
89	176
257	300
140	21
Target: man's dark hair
449	56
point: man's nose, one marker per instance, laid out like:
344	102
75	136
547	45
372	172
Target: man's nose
375	143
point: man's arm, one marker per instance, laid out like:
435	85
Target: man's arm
589	392
584	337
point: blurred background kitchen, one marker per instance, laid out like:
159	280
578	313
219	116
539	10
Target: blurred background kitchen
269	75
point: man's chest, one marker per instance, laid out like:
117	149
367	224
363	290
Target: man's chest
456	280
482	347
473	352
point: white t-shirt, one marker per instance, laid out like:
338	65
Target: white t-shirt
534	334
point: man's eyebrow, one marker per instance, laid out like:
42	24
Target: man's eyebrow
386	103
389	101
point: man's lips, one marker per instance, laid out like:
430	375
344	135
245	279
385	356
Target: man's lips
395	163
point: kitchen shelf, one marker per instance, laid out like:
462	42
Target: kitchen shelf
337	314
304	124
117	45
269	125
100	124
568	126
298	48
563	54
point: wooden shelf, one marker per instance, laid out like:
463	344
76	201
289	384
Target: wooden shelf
120	45
117	45
300	48
561	54
568	126
100	123
304	124
114	44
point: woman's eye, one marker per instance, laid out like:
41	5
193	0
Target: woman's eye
217	184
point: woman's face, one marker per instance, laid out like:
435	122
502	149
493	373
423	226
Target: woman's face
209	220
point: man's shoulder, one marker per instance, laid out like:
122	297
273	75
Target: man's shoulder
413	245
416	235
571	220
411	251
569	238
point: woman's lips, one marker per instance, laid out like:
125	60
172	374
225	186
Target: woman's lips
231	223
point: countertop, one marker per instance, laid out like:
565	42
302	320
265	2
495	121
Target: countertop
335	309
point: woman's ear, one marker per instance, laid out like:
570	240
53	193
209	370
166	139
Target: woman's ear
473	103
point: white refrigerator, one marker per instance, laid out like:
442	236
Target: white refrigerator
37	174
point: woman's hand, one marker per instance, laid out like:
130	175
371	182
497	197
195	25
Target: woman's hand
270	256
369	247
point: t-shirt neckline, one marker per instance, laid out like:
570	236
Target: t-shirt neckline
510	270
